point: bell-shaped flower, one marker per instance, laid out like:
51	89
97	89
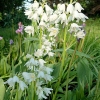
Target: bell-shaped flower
53	17
48	77
76	15
63	18
35	17
47	91
44	17
32	62
48	70
29	56
29	13
61	7
80	34
83	17
40	74
50	54
49	11
53	31
70	8
15	79
38	53
40	93
41	62
29	29
35	5
40	11
22	85
1	38
28	77
78	7
42	25
11	81
74	28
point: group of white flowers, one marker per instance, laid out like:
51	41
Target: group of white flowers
40	75
48	20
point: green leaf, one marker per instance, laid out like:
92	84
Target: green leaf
84	75
2	89
30	39
80	54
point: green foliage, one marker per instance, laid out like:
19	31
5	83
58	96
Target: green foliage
81	66
2	89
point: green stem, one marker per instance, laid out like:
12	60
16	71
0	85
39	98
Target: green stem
20	44
62	64
32	91
41	32
69	68
71	1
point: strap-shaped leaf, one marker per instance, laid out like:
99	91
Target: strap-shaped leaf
2	89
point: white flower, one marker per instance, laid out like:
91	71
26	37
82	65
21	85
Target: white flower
53	31
40	11
80	34
42	25
44	17
28	77
49	11
78	7
12	81
63	18
15	79
48	77
74	28
47	91
48	70
76	15
38	53
70	8
53	17
41	62
32	62
40	74
83	17
1	38
35	5
61	7
35	17
29	13
22	85
47	43
29	56
47	49
50	54
30	30
40	93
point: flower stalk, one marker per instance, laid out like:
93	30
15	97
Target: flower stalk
69	69
62	63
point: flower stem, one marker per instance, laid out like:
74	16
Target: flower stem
62	63
41	32
68	71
